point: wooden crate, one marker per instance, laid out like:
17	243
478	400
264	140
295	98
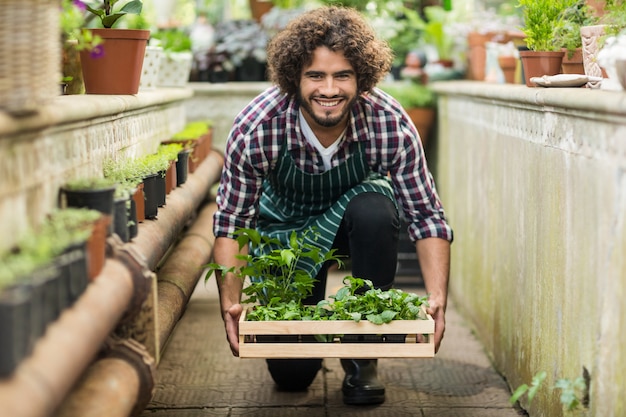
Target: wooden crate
302	344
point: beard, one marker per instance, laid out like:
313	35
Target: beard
327	120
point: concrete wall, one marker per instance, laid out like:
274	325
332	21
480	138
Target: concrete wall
533	182
71	137
221	102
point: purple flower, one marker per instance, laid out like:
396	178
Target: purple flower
79	5
97	52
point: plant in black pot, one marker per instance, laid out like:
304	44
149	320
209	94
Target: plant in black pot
96	193
72	229
171	152
128	175
153	168
29	282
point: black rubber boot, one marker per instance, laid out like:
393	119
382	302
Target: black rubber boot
293	374
361	385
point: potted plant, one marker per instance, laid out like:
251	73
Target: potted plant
243	43
419	101
171	152
611	20
72	230
544	56
176	59
75	38
115	66
198	137
278	287
567	35
95	193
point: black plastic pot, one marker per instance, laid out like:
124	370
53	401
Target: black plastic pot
182	167
15	324
45	283
133	223
120	219
75	261
161	188
100	199
151	195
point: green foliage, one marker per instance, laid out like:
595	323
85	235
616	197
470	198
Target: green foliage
573	393
72	22
541	17
124	172
90	183
170	150
614	17
173	40
193	130
358	300
530	390
109	14
36	249
434	31
410	94
566	33
276	280
280	288
407	34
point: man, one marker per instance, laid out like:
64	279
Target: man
324	148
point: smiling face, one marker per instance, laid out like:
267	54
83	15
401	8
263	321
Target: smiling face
327	92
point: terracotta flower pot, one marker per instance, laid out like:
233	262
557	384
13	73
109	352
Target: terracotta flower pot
508	64
573	64
540	63
423	118
115	67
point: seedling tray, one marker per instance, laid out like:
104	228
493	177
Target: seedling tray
296	339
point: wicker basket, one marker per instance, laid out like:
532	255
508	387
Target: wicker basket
30	54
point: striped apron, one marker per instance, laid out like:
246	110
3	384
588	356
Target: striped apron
295	200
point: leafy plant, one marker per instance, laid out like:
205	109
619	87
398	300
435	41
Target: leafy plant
410	94
531	390
90	183
540	19
172	40
358	300
567	32
614	17
36	249
277	283
279	287
72	24
435	31
109	14
574	394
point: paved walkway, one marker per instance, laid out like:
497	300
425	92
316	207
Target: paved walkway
198	376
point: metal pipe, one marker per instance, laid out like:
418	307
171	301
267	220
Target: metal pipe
43	380
110	380
179	275
93	393
70	344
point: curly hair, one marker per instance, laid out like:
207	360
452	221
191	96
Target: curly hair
340	30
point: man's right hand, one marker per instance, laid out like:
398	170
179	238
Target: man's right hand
231	323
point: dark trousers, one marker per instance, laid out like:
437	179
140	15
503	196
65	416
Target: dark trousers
368	235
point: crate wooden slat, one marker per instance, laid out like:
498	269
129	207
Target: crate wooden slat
413	347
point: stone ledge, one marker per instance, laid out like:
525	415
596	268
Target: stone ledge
582	99
71	108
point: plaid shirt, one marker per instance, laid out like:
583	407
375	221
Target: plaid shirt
392	148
